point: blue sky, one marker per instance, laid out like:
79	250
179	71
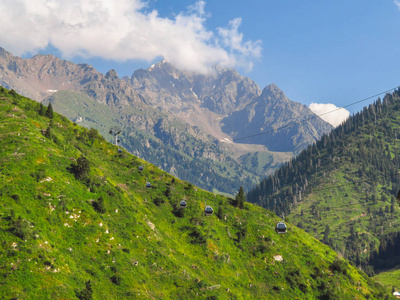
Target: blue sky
316	51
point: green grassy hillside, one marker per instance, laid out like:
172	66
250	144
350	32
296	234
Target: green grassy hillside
77	222
390	278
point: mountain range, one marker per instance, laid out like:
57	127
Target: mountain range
176	119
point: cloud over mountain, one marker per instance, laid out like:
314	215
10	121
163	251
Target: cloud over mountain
330	113
123	30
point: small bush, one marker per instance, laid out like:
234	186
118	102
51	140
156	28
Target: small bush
81	169
197	236
86	293
189	187
220	213
39	175
15	197
167	192
93	134
20	228
158	201
116	279
338	266
178	211
99	206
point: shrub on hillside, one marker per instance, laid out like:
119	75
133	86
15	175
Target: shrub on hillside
339	266
86	293
81	169
178	211
197	236
20	228
158	201
99	206
39	175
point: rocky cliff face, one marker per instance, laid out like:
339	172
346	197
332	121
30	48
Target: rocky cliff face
276	122
222	91
224	94
43	75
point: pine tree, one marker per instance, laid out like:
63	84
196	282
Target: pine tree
326	235
48	133
42	109
13	93
240	198
49	111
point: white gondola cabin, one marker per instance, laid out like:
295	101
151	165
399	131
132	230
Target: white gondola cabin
208	211
281	227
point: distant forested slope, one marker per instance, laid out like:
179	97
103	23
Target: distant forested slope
342	188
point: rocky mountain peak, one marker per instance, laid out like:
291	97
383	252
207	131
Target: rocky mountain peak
272	110
42	75
4	53
161	64
172	89
272	92
112	74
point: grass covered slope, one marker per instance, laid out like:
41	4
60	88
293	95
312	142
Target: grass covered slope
77	222
390	279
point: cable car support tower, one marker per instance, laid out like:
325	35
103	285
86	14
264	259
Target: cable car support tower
115	131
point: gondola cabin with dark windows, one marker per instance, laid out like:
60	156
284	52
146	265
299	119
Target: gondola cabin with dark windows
119	151
208	211
281	227
148	185
140	168
183	204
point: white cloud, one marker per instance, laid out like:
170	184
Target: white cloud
232	39
330	113
123	30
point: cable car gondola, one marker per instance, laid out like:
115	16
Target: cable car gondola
208	211
281	227
140	168
148	185
119	151
183	204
